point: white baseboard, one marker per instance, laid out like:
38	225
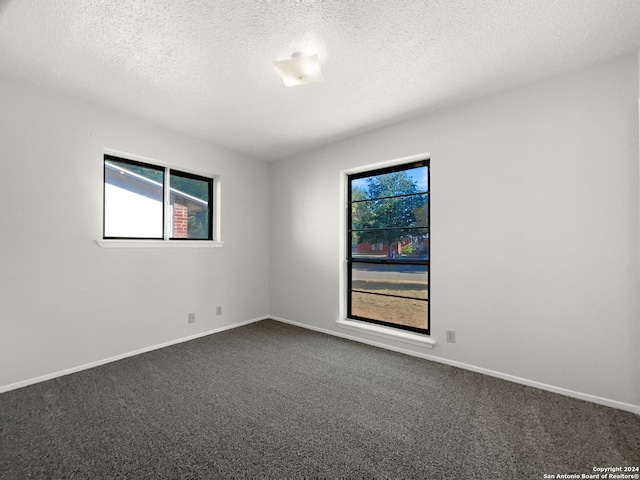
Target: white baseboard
543	386
49	376
504	376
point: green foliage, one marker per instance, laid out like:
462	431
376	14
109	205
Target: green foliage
146	172
198	225
378	211
195	188
359	211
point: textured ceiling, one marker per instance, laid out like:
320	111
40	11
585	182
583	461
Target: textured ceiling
205	67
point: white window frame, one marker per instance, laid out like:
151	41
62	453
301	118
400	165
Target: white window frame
343	322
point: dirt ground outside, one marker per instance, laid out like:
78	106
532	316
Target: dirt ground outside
401	311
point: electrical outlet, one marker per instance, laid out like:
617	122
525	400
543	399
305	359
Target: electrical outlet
218	310
192	318
451	336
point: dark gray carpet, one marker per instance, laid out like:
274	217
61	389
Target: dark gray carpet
272	400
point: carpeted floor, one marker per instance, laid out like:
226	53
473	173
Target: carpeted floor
269	400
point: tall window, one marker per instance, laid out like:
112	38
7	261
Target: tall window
144	201
388	246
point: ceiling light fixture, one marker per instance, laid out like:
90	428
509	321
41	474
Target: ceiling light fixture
299	70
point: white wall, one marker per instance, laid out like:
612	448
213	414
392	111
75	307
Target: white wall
534	213
64	301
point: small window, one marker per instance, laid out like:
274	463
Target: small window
151	202
388	246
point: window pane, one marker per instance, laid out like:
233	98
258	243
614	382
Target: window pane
399	311
133	200
403	182
402	280
399	244
190	206
388	253
409	211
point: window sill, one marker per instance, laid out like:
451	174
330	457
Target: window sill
158	244
388	333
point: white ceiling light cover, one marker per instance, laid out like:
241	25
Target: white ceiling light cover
299	70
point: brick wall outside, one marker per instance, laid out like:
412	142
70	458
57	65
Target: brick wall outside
180	221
